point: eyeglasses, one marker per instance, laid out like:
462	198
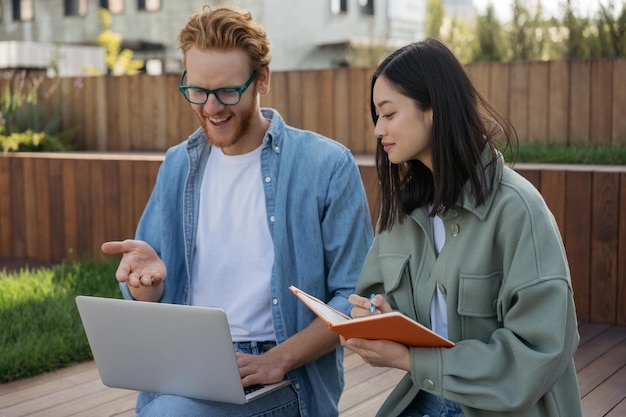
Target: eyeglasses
228	96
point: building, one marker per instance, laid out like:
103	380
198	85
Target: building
459	8
304	34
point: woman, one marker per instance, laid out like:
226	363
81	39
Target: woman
465	246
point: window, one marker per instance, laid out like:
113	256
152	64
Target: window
338	6
75	7
367	6
114	6
22	10
148	5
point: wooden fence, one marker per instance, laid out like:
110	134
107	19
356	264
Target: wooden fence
57	205
565	101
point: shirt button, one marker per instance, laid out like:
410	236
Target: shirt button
277	149
454	229
428	385
275	301
296	386
268	179
272	218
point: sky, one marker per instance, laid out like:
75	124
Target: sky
584	8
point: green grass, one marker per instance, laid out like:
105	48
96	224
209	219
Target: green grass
40	329
571	154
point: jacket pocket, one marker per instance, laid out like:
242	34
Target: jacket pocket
478	295
393	266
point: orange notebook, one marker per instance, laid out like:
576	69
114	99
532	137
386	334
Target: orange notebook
389	326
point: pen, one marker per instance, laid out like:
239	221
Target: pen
372	307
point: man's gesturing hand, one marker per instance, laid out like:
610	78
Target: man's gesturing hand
140	267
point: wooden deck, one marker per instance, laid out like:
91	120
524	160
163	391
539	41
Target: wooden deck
77	391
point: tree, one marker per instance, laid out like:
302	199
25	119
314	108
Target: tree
612	30
435	14
575	45
489	44
527	33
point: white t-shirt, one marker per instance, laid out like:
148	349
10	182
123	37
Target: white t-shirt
438	306
234	249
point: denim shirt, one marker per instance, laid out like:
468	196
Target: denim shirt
318	217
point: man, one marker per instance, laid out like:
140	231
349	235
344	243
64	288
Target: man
244	208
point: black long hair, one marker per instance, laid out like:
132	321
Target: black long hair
430	74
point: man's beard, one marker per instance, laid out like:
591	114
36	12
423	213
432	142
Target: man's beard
243	126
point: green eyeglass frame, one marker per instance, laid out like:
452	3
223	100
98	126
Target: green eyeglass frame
228	96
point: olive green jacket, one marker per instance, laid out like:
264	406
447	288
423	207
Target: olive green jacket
504	273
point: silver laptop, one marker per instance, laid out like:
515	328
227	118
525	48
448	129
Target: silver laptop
165	348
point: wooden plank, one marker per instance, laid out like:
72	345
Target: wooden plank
619	410
97	202
325	122
480	74
621	259
100	114
75	99
588	331
371	142
116	114
17	209
57	233
341	97
89	93
178	109
135	103
279	96
538	101
553	191
604	247
532	175
518	104
43	240
113	211
578	203
295	98
311	97
358	102
598	345
558	101
128	216
141	187
499	87
580	107
153	109
600	401
83	208
6	216
369	176
30	208
94	396
618	121
70	206
601	101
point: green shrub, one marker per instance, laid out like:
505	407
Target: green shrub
25	126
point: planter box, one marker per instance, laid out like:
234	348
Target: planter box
59	205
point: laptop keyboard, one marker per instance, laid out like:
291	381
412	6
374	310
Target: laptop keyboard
247	390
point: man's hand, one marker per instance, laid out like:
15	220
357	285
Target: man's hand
261	369
140	267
